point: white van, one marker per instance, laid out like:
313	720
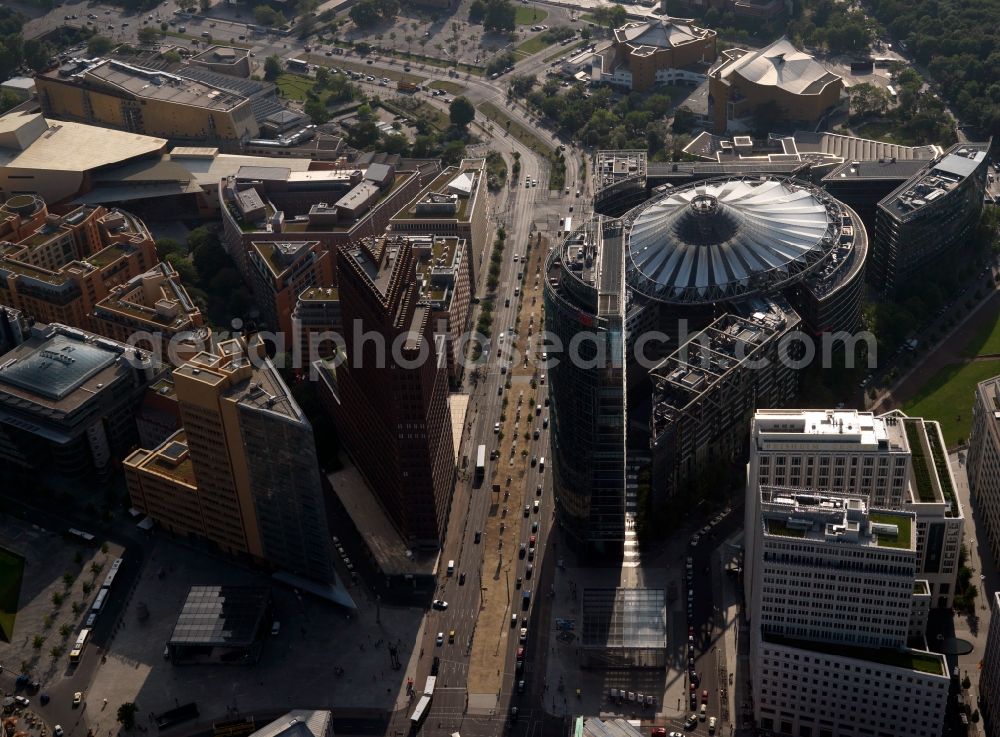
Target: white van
451	568
541	463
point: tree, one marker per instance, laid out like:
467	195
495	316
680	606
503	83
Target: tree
172	56
272	67
264	15
37	54
477	11
98	45
126	714
867	98
684	120
148	36
500	16
317	111
461	112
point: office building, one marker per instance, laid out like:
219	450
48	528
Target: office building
830	586
54	160
779	75
280	271
68	400
644	54
335	207
453	205
983	464
242	473
989	676
706	391
153	102
890	461
929	219
861	185
585	290
388	399
57	268
153	310
317	321
444	269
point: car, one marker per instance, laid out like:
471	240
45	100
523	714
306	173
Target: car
43	699
451	635
656	731
517	582
527	510
461	579
691	721
534	528
676	734
704	696
369	61
536	434
520	686
524	634
77	699
513	620
703	714
275	627
534	461
328	53
513	713
528	570
537	506
440	638
496	425
522	551
479	534
57	731
22	701
439	604
711	725
532	540
520	653
538	490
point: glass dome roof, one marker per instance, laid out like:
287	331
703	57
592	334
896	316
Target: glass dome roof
725	239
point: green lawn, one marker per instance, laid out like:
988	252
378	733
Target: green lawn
883	132
11	574
452	87
947	398
529	16
533	45
986	342
505	122
294	86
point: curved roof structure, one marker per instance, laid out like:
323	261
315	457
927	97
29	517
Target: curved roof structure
783	66
728	238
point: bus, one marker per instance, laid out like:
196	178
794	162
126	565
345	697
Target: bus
81	536
420	713
110	578
429	686
99	600
298	65
480	465
81	643
568	227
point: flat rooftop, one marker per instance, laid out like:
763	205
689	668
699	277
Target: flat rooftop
906	658
151	84
465	178
937	180
775	428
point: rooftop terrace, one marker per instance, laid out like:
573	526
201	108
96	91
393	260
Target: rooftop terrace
939	179
918	660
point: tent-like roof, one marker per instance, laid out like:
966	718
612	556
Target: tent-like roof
726	238
782	65
661	33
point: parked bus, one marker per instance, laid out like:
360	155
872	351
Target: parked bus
99	600
298	65
81	644
429	686
480	465
420	713
110	578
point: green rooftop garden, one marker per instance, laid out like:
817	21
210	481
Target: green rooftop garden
778	527
904	523
941	464
921	471
918	660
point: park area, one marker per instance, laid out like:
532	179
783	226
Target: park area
11	573
947	394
